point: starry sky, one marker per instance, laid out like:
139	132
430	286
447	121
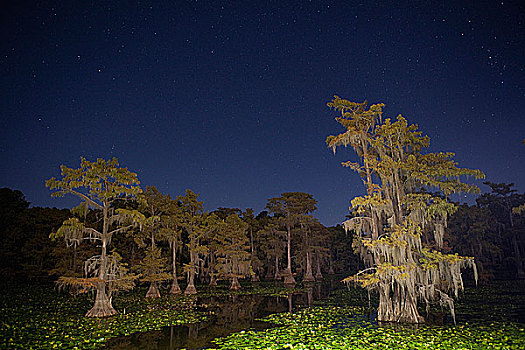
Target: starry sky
229	98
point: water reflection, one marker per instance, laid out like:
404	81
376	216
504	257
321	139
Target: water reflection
230	314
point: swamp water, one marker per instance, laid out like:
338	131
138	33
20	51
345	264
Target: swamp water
228	314
498	302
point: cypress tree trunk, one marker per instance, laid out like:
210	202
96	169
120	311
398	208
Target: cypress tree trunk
102	307
175	288
318	273
331	269
153	291
213	281
309	276
288	276
235	285
255	276
268	274
190	288
277	275
517	257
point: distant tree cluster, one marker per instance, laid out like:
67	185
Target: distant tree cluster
492	231
26	253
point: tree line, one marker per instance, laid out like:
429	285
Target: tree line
120	235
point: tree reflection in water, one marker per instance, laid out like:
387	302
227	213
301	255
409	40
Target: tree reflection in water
228	315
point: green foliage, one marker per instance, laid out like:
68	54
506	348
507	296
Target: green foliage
152	267
290	209
232	248
104	181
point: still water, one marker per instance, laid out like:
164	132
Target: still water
227	315
498	301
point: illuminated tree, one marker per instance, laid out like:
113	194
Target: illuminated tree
304	229
272	246
290	207
172	229
153	266
232	250
400	223
253	225
192	220
100	185
319	243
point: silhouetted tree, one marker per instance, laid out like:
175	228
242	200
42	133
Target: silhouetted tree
12	207
473	231
501	202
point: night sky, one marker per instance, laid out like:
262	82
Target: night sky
229	98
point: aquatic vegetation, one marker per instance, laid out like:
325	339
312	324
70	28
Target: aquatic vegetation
346	328
44	318
489	317
41	317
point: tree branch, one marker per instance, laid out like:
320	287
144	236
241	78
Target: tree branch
89	200
125	228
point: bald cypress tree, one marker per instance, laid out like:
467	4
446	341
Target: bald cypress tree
291	208
153	266
401	220
192	220
233	250
100	185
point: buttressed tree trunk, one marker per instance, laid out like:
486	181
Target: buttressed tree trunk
99	184
400	208
235	285
153	291
102	307
213	281
288	276
308	276
190	288
277	276
318	273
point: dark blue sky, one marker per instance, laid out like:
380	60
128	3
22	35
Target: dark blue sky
229	98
